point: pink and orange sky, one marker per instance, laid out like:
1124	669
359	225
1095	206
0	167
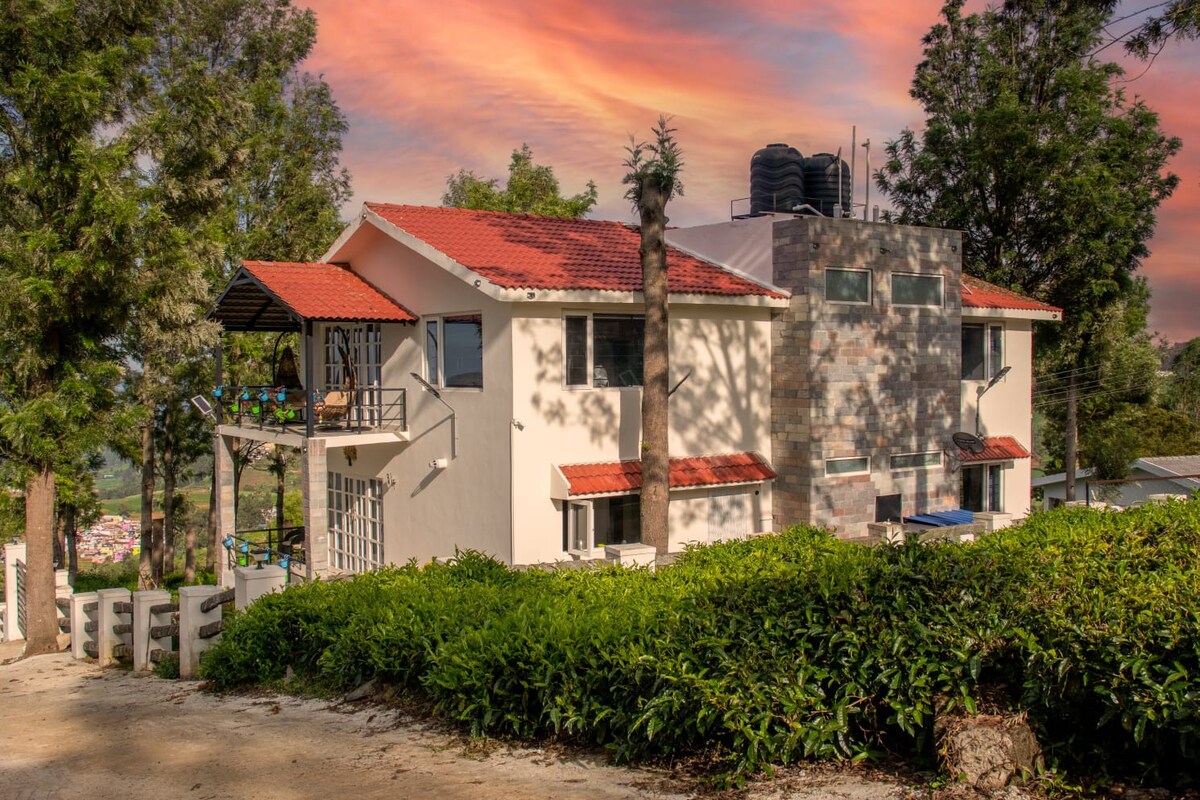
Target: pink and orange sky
432	87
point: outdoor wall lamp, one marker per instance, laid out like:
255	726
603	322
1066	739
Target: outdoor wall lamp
426	386
982	390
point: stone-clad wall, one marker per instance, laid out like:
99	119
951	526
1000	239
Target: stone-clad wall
851	380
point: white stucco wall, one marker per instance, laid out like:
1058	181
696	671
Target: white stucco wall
428	512
1006	409
723	407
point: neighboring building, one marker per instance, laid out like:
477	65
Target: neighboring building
479	382
1148	477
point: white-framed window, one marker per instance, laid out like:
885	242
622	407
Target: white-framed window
355	523
982	351
839	467
454	350
848	285
588	524
602	351
981	488
931	458
917	290
354	358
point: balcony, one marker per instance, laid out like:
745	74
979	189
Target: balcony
366	408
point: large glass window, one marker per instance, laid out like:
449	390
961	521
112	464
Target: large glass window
982	351
354	360
980	490
607	520
916	290
615	354
848	285
454	350
932	458
355	523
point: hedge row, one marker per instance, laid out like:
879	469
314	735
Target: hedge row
784	647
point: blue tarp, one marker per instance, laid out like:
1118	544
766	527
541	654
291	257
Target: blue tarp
941	519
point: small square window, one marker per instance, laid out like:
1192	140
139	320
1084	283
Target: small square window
847	466
848	285
916	290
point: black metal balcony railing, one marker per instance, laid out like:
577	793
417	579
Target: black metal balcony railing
283	547
361	409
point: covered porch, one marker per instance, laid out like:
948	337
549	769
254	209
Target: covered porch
328	395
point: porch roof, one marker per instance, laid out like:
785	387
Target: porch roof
996	448
279	295
616	477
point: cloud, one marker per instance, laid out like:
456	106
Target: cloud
432	87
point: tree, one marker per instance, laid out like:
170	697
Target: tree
531	189
1183	387
1051	174
69	245
1179	20
653	178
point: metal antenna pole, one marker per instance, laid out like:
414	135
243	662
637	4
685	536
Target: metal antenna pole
867	182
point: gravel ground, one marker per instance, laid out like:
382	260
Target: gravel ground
69	729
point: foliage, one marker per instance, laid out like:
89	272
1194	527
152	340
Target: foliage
1183	387
780	648
531	189
655	164
1179	20
124	575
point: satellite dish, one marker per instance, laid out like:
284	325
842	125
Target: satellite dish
969	442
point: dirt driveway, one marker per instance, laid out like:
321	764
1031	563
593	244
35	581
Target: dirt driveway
71	730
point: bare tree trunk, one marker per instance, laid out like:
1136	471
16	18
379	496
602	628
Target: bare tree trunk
146	561
280	476
210	557
656	366
189	554
69	517
1071	457
41	617
168	460
60	542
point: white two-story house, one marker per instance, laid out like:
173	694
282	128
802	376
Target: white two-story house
472	380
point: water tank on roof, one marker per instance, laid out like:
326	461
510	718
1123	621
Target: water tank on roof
822	174
776	179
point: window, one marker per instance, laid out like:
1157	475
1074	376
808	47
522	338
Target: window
608	520
454	351
848	285
933	458
916	290
611	356
847	466
355	523
982	351
981	488
354	357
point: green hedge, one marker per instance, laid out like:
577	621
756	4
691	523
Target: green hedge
785	647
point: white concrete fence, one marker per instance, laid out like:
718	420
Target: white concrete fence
141	628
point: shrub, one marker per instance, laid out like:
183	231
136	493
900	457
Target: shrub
784	647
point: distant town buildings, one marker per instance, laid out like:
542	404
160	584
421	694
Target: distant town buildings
114	538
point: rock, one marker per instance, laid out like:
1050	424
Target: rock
364	691
988	751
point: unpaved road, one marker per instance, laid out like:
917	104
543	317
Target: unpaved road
71	730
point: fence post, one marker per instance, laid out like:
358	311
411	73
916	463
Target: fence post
251	583
107	640
12	554
85	622
62	606
143	619
191	619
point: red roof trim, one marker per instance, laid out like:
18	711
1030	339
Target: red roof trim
321	291
997	448
613	477
523	251
977	293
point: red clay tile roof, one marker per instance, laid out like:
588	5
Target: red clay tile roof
520	251
326	292
997	448
981	294
626	476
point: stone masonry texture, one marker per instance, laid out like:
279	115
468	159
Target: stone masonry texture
870	380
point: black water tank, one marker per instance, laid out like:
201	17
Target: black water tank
821	184
776	179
